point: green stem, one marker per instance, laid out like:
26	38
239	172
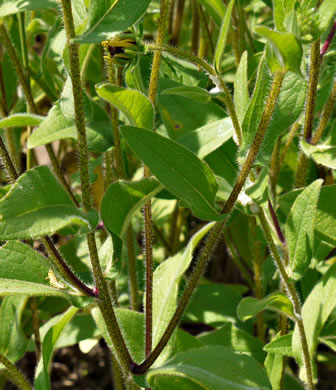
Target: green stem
152	91
36	327
292	133
227	98
195	27
328	109
252	155
104	301
314	72
292	295
212	239
15	375
205	28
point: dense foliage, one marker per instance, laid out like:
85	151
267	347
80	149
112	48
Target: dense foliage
168	186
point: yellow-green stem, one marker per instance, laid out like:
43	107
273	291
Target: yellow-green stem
314	73
104	301
292	295
15	374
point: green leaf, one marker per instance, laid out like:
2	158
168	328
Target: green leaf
315	312
13	341
20	262
322	154
111	16
326	12
42	380
38	205
213	304
208	138
57	126
241	94
178	169
10	7
122	199
166	281
237	339
281	9
274	365
21	120
289	47
289	107
256	108
214	368
136	107
221	41
280	345
132	328
325	220
299	230
279	302
198	94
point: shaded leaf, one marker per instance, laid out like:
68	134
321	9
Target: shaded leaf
198	94
322	154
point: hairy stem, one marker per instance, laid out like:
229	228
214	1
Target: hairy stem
213	237
104	301
314	72
292	295
15	375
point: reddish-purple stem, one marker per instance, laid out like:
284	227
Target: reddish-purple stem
276	223
328	41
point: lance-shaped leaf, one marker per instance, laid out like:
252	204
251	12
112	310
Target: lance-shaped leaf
166	281
38	205
178	169
299	230
10	7
241	94
289	47
42	380
281	9
133	104
321	154
110	16
221	42
211	367
280	345
21	120
248	307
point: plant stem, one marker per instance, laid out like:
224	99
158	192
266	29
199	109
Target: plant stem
178	18
121	174
292	295
205	29
292	133
252	155
195	27
328	41
152	91
36	327
309	114
15	375
104	301
227	98
328	109
212	239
